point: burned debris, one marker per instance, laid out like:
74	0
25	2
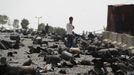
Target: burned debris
56	57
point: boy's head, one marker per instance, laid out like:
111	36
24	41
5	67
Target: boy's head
70	19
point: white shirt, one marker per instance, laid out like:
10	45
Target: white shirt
69	28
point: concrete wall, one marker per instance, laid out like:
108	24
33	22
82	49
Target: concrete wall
123	39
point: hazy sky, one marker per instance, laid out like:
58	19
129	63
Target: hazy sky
89	15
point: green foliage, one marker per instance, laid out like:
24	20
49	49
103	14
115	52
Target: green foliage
41	27
16	23
24	23
56	30
51	29
59	31
3	19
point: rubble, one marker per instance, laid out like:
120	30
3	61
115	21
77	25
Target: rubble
62	71
52	59
85	62
28	62
66	55
48	67
90	55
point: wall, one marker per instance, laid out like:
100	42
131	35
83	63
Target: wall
124	39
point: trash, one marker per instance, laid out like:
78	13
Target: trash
5	44
48	67
120	72
67	64
21	70
85	62
73	62
76	55
3	60
52	59
63	71
59	65
7	69
34	50
15	52
16	45
27	62
13	61
3	64
14	37
40	70
98	62
44	42
37	40
43	49
54	46
66	55
74	50
10	54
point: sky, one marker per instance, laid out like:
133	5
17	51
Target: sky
89	15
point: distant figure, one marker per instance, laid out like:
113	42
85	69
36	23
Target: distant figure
91	35
46	29
70	28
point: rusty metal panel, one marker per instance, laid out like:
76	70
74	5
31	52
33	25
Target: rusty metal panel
121	19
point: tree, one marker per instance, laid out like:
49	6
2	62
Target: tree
16	23
59	31
41	27
51	29
3	19
24	23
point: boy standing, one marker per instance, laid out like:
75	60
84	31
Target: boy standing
70	28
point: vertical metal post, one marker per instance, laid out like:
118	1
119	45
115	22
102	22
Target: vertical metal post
38	19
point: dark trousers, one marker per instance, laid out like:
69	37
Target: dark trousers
69	41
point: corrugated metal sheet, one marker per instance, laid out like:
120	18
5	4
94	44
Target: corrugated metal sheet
121	19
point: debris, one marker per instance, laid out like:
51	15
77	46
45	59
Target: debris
67	64
54	46
74	50
21	70
85	62
14	37
63	71
52	59
27	62
48	67
10	54
66	55
34	50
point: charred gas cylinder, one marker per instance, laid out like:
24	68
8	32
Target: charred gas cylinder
66	55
